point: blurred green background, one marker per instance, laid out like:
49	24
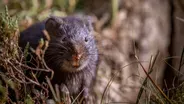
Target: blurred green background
29	11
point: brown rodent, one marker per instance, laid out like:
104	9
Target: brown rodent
72	52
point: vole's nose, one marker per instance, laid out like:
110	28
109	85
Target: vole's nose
76	60
76	57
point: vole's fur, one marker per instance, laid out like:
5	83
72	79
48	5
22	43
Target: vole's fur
72	52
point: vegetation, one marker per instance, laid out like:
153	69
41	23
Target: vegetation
15	82
20	83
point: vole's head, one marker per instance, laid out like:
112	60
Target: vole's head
72	46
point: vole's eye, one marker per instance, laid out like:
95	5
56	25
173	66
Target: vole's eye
64	39
86	39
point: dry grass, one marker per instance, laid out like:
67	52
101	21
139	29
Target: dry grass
16	84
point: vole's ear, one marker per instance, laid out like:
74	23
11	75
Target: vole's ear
52	24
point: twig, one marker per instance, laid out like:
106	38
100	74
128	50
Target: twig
23	74
111	80
52	89
31	68
163	94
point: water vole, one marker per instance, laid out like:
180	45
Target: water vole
72	52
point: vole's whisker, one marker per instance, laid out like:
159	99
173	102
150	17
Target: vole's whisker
55	52
61	53
70	48
51	58
59	45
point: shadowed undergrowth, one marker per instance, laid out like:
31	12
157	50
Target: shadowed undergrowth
15	84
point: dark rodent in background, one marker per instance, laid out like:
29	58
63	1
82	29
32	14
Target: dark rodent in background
72	52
